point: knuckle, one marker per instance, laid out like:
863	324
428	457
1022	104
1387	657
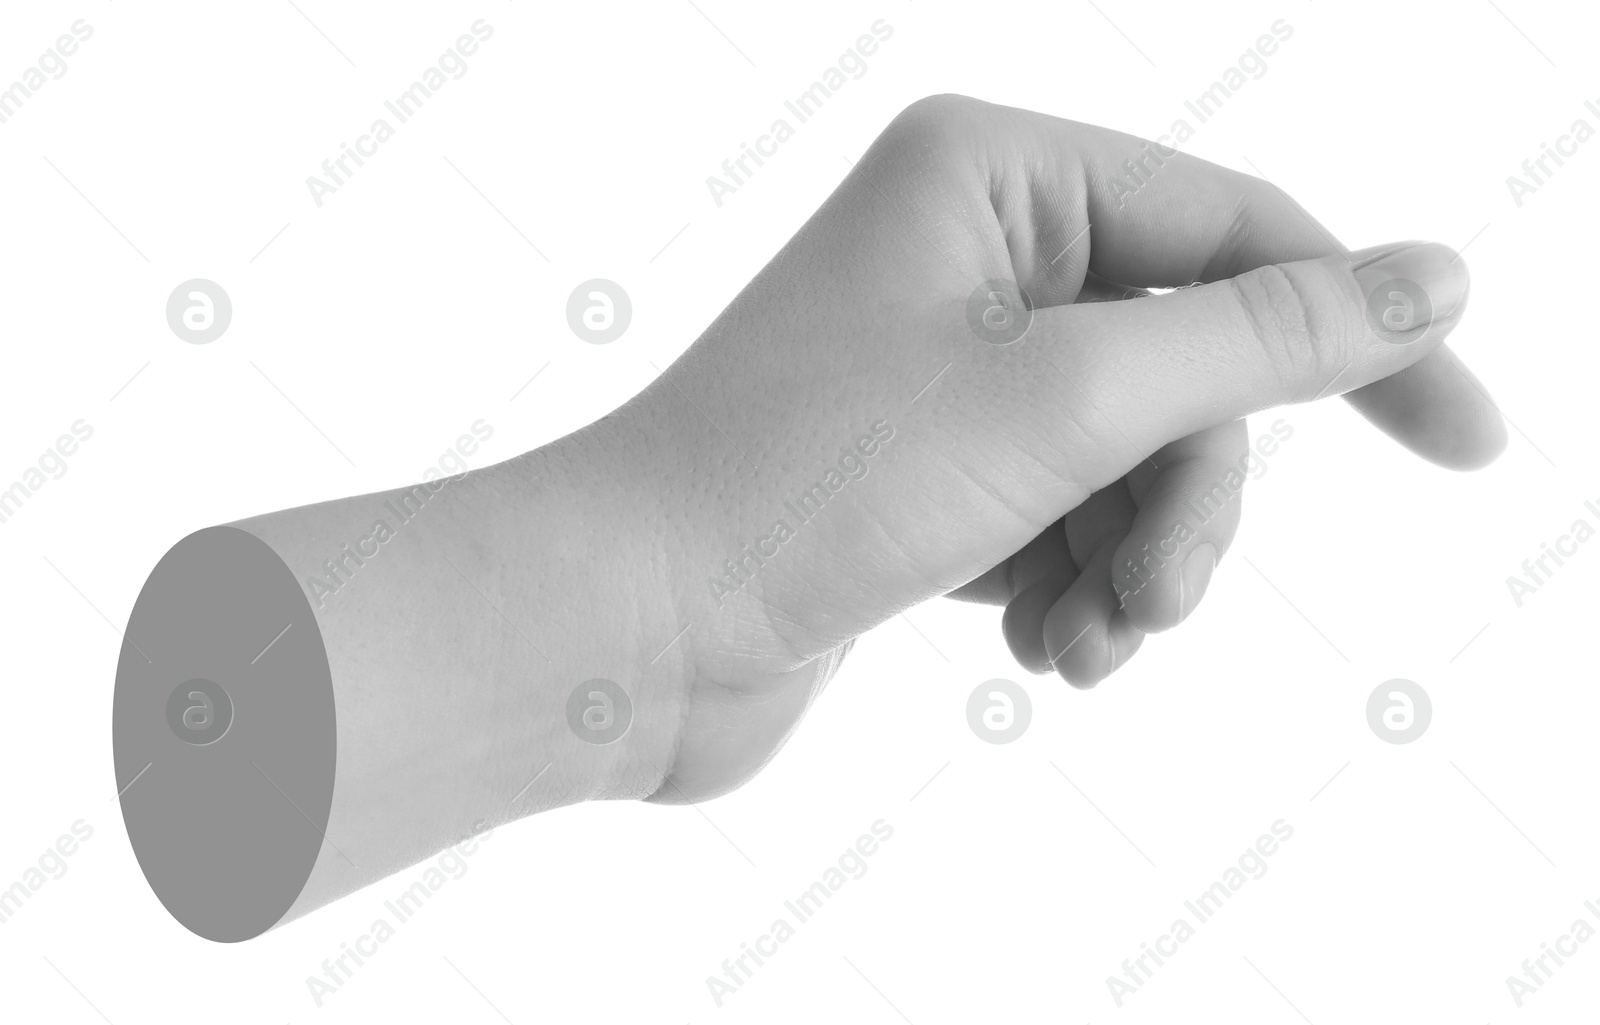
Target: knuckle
1286	312
936	120
938	106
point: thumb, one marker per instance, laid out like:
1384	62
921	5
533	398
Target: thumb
1157	369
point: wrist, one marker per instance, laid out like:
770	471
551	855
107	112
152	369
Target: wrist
600	577
715	690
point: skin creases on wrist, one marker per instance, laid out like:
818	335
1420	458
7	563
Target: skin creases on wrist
616	682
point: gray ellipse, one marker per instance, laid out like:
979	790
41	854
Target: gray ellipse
225	831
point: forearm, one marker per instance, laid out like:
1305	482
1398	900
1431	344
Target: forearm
457	619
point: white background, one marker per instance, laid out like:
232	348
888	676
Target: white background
1021	876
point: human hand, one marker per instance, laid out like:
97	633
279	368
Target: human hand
1040	471
865	427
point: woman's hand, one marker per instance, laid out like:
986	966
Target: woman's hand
940	385
951	382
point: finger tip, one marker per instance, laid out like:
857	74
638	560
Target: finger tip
1471	443
1172	595
1100	652
1087	659
1488	445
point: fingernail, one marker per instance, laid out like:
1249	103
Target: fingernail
1409	286
1194	575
